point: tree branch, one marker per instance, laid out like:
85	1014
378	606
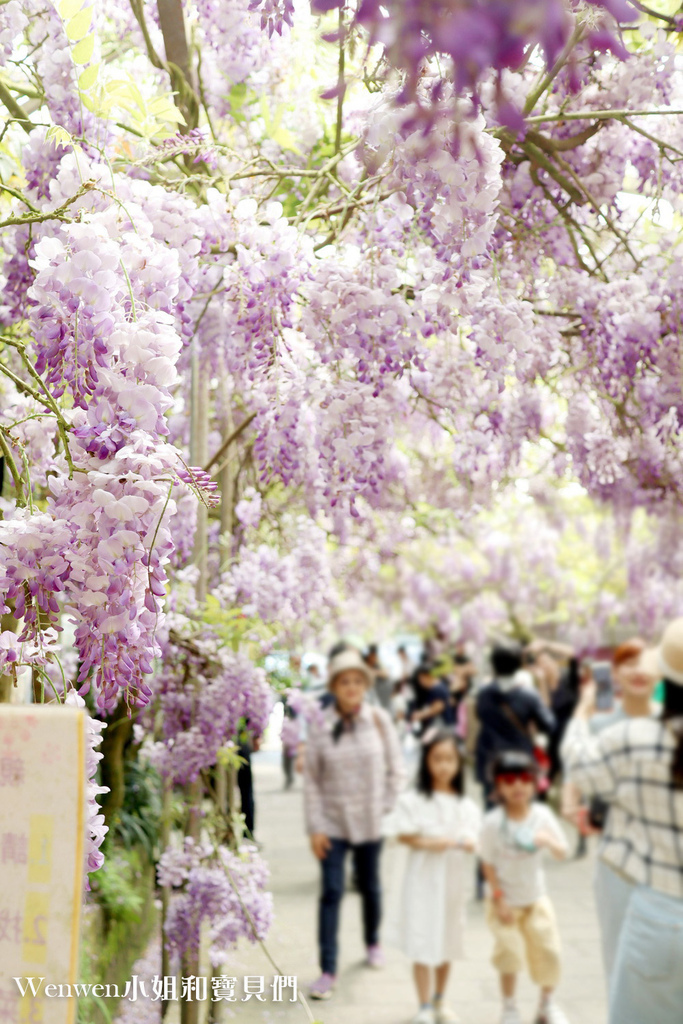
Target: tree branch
600	115
58	214
229	440
547	79
655	14
172	22
152	54
341	86
20	196
16	476
15	109
46	399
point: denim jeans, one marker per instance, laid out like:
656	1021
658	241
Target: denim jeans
366	865
647	981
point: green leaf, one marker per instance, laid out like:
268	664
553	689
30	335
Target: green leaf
285	140
117	86
174	115
79	26
273	124
101	1004
58	135
67	8
83	50
87	78
238	97
229	757
161	105
136	95
238	94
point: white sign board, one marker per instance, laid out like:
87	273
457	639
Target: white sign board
42	831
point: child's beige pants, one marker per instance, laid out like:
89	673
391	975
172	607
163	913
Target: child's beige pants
533	930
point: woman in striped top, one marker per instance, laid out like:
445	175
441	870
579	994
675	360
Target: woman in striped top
637	767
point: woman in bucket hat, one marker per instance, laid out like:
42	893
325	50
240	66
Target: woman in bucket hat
637	767
353	773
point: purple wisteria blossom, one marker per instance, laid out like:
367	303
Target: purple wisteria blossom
222	888
96	830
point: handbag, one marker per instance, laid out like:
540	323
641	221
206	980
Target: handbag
597	813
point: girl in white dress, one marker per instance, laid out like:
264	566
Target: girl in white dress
439	826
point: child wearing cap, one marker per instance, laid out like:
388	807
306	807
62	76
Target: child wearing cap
513	839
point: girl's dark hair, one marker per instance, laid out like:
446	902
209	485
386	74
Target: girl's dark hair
424	779
673	708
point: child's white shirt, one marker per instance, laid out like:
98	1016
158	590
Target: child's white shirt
520	872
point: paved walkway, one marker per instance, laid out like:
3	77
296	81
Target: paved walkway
387	997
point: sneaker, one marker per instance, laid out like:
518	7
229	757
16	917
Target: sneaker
376	957
444	1014
323	987
551	1014
511	1015
425	1016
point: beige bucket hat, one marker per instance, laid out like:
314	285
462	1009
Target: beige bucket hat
345	662
666	661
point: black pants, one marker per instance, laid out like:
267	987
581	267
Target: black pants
245	784
288	768
366	864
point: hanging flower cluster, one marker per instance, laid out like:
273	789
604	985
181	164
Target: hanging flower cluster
386	315
478	39
271	263
208	695
101	548
221	888
96	830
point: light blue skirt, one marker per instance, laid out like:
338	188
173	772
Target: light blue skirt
612	897
647	981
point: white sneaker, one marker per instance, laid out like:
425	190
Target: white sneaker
551	1014
511	1015
444	1015
425	1016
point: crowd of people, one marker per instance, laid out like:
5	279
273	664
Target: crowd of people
542	730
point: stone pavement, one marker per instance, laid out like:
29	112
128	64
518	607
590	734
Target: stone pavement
365	996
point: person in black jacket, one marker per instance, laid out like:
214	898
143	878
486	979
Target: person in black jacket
507	712
431	703
563	703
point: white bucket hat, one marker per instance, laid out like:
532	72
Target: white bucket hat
345	662
666	661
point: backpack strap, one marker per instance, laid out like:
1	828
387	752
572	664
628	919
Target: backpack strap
512	716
